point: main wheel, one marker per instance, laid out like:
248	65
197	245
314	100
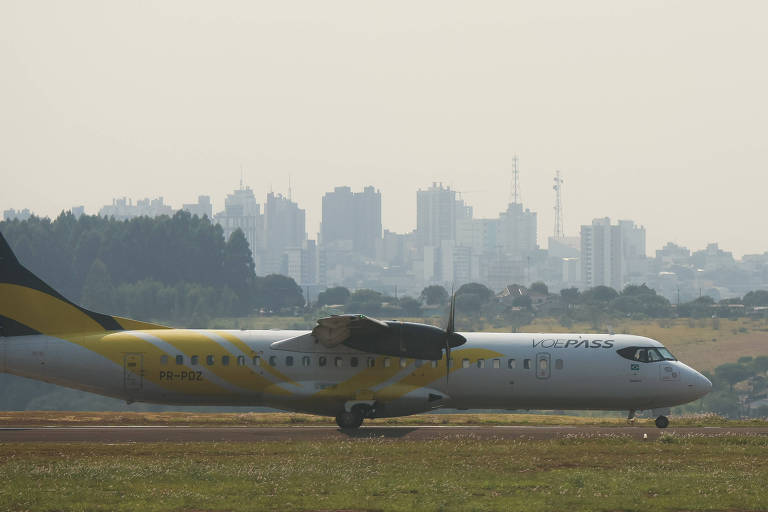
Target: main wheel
350	419
662	422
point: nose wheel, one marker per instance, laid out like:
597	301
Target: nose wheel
662	422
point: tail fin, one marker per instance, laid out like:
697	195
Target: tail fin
29	306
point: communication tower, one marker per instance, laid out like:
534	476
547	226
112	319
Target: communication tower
558	206
515	181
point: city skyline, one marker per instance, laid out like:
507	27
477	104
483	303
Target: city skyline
542	234
653	111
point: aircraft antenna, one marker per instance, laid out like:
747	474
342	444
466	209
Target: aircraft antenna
515	181
558	206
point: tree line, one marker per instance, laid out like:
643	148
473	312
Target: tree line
169	268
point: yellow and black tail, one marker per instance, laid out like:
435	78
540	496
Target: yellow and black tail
29	306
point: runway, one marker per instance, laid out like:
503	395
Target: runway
143	434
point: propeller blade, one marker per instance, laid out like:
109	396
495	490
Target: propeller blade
450	329
451	314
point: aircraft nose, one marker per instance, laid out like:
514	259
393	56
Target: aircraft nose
701	384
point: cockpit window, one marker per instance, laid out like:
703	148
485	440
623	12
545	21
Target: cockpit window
646	354
666	354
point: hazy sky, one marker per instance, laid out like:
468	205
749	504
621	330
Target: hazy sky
654	111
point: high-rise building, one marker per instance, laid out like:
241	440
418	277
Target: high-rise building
354	216
203	207
437	210
517	232
284	228
124	209
611	255
241	211
17	215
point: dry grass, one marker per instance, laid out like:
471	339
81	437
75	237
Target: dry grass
461	473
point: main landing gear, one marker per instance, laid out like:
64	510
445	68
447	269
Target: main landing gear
350	420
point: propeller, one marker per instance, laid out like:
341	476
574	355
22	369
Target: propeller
449	330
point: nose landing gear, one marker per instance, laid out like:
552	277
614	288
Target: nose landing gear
662	422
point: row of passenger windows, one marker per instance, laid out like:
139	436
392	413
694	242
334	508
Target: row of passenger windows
354	362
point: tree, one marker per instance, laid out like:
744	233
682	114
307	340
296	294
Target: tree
434	295
570	296
599	294
277	293
364	301
760	364
484	293
98	293
238	270
333	296
732	373
698	308
410	306
756	298
539	288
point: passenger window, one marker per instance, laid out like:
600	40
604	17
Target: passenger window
179	360
193	360
558	364
224	360
339	362
353	362
371	362
288	360
306	361
163	360
322	361
403	362
465	363
527	364
387	362
272	360
512	363
497	363
256	360
543	364
240	360
209	360
481	363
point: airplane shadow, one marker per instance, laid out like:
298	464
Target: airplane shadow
375	432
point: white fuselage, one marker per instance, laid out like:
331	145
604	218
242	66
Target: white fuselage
490	371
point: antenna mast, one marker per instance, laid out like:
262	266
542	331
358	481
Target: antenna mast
515	181
558	206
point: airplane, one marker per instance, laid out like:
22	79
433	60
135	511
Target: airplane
351	367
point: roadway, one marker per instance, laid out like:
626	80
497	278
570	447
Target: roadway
129	433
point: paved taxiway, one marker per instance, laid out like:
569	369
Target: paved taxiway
122	434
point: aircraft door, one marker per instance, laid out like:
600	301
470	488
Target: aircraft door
133	372
543	368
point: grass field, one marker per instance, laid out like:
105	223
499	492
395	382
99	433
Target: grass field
58	418
462	473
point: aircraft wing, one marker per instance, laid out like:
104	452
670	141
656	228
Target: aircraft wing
360	332
338	329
